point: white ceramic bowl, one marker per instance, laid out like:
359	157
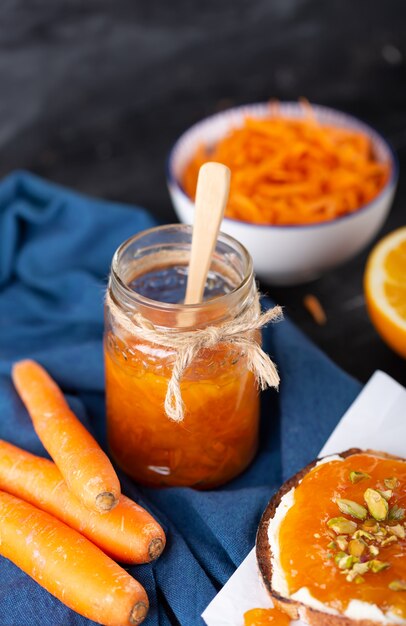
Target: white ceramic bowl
286	255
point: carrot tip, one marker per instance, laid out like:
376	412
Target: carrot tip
155	548
138	613
106	501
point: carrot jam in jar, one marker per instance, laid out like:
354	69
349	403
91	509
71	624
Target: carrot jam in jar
218	436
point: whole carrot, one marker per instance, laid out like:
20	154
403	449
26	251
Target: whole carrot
128	533
69	566
85	467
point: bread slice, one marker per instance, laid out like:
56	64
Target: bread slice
294	608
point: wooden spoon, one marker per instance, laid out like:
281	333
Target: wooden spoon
212	190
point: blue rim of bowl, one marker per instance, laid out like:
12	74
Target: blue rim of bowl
390	184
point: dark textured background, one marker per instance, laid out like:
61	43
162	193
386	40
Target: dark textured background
93	94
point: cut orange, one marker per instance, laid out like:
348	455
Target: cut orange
385	289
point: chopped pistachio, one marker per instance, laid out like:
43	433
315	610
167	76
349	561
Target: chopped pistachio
341	525
329	555
345	562
356	547
382	532
391	483
342	542
358	580
349	507
397	585
389	540
359	534
374	550
339	556
396	513
361	568
371	525
356	570
356	477
332	545
380	541
386	494
376	503
397	530
377	566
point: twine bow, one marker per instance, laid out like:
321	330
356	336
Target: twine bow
187	345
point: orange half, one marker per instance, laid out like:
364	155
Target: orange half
385	289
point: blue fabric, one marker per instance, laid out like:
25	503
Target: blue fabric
55	251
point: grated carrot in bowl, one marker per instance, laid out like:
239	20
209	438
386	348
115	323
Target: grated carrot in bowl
292	171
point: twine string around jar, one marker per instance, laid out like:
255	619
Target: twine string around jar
187	344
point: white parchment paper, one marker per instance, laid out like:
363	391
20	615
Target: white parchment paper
376	419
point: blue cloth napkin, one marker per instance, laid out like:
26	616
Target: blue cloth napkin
55	251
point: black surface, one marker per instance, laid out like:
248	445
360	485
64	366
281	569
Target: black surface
95	93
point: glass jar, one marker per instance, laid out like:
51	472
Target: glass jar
218	436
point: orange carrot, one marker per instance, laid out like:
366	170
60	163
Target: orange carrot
69	566
128	533
293	171
313	305
85	467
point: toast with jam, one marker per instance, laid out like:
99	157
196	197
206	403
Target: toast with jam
331	544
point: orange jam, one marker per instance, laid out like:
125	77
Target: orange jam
309	551
264	617
217	437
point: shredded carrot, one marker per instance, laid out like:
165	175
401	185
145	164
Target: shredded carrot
128	534
83	464
313	305
69	566
291	171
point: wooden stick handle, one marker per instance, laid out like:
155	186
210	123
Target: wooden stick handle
212	191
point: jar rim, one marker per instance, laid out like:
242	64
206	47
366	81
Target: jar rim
136	298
